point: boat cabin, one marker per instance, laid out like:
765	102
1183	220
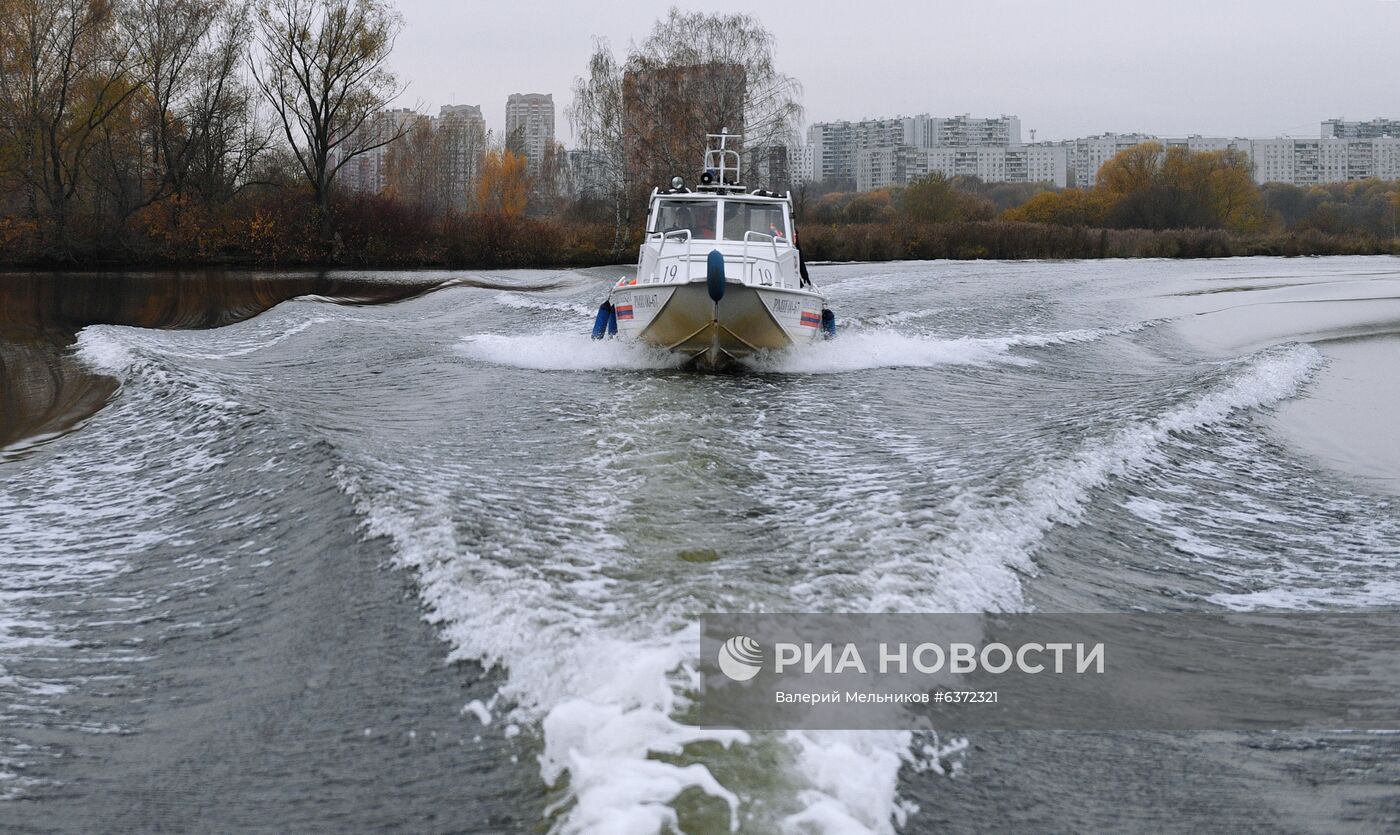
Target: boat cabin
709	217
752	230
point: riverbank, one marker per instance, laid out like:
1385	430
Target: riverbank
380	238
1014	241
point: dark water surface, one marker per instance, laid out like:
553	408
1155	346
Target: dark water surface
360	551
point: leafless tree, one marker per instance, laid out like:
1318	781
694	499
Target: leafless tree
228	128
66	69
644	120
459	145
709	71
198	127
413	166
599	123
323	68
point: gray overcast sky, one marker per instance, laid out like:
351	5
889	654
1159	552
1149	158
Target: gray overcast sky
1068	68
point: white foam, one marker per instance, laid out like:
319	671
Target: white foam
279	335
1378	594
102	351
886	319
604	680
1077	335
565	352
861	350
604	683
856	350
852	776
864	350
521	302
603	699
478	708
85	510
975	565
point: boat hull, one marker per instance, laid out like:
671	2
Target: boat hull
684	319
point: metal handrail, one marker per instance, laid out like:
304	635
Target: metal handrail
772	239
749	259
665	236
716	158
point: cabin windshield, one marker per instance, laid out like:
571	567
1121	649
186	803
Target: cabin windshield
764	218
697	216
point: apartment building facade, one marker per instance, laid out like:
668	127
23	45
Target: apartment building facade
834	145
368	172
461	130
1041	162
453	156
925	131
1374	129
532	115
1304	162
1289	160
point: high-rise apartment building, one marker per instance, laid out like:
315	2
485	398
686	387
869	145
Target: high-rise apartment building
1044	162
446	164
925	131
368	172
587	174
532	116
1331	159
769	166
1374	129
801	156
835	146
1088	154
460	131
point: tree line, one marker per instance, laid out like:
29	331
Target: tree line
130	123
1148	201
206	131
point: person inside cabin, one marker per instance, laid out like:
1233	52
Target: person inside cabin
682	220
704	227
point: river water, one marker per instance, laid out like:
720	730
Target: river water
436	563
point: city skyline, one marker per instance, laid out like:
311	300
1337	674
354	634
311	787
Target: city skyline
1249	69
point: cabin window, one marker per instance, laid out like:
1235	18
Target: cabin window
764	218
698	216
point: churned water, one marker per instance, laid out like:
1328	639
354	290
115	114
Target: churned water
438	563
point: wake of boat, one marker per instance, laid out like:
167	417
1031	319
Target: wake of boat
853	351
606	679
863	350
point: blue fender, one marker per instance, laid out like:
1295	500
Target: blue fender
606	320
828	323
714	275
